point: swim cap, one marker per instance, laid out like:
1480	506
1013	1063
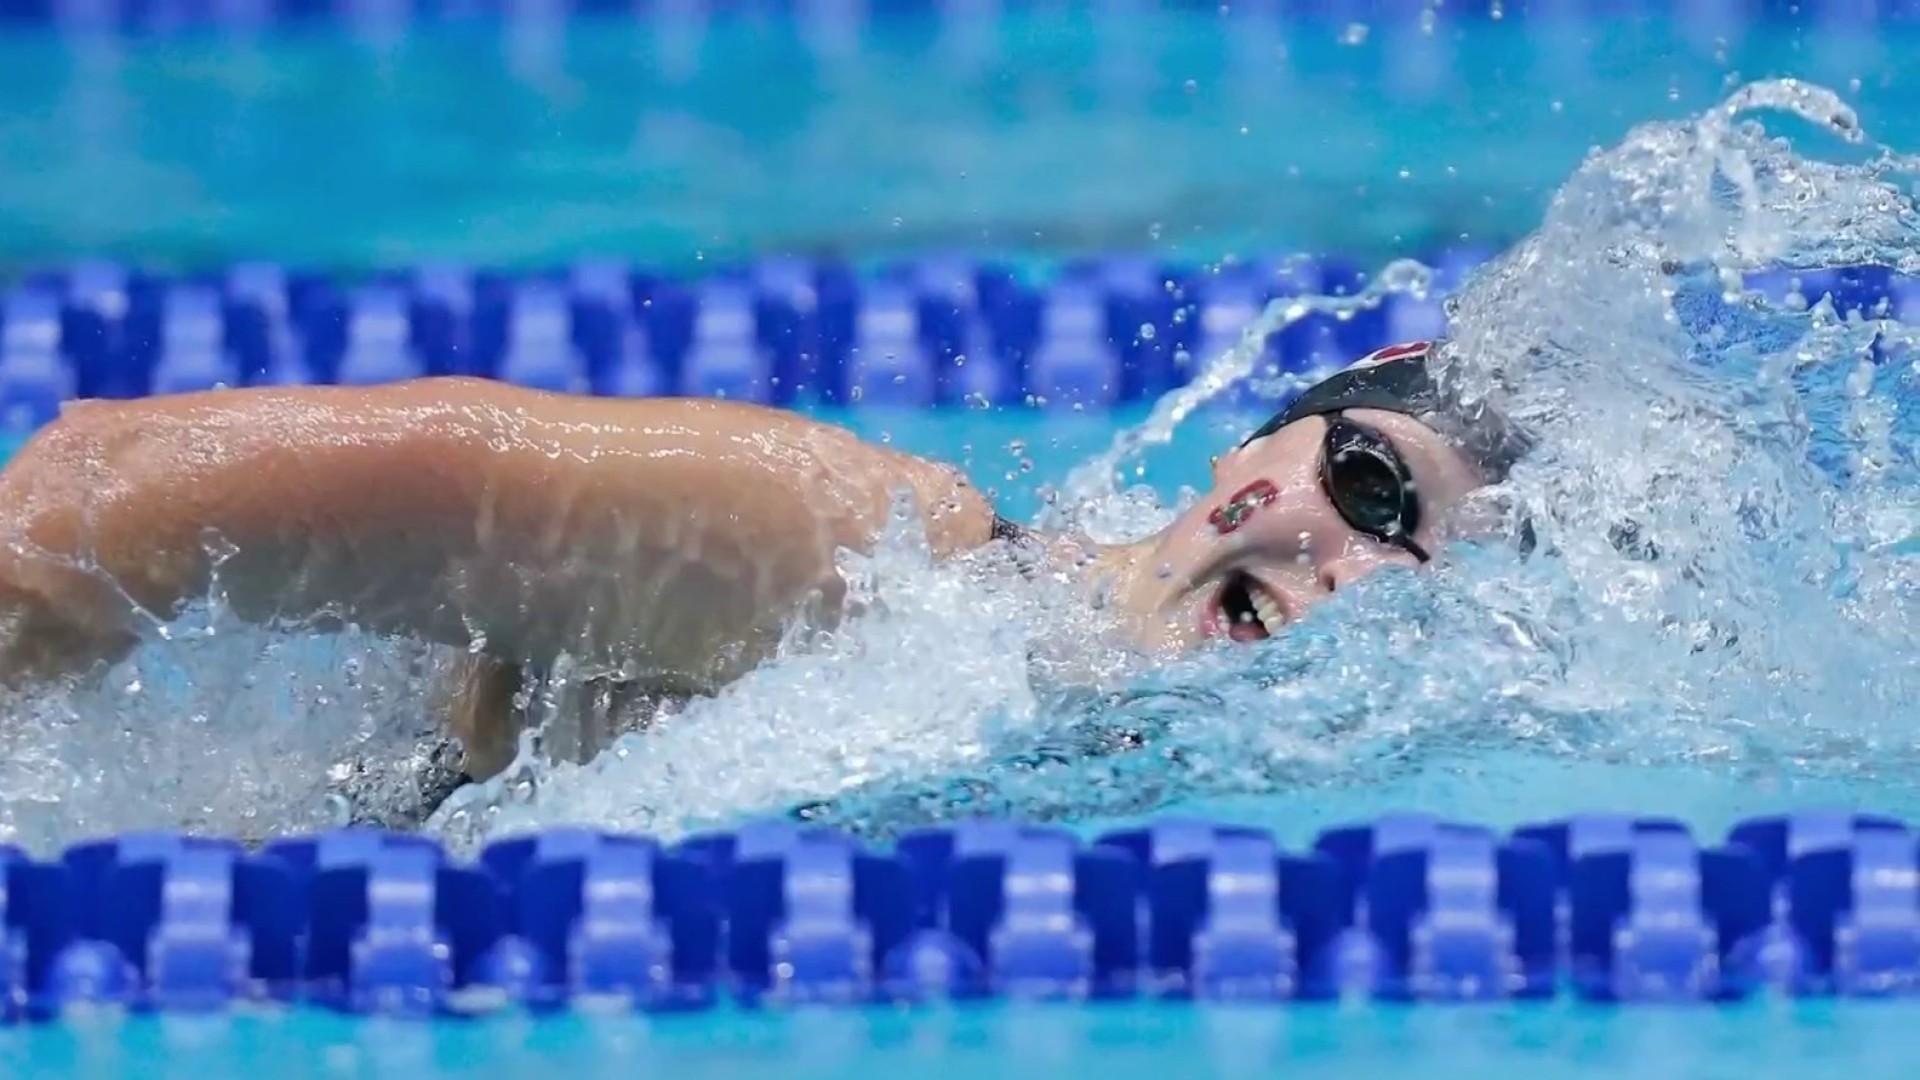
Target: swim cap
1397	379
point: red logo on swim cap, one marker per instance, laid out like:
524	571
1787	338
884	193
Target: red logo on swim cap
1392	353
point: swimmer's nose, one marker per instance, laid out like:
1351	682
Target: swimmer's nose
1337	574
1310	545
1289	528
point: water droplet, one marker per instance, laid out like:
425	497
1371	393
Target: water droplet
1148	332
1558	106
1191	86
1354	34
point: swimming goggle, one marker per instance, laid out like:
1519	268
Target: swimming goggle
1361	472
1369	484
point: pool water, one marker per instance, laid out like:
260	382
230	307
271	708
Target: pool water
1866	1040
1763	658
1044	130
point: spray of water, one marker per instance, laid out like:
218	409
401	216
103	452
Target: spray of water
1708	564
1093	502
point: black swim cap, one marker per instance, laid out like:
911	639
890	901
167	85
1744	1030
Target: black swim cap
1397	379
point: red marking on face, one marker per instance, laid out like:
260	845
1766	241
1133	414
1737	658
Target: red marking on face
1234	513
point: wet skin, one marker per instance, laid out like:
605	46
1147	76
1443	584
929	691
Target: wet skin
665	542
1268	528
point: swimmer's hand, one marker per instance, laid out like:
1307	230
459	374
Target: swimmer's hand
669	539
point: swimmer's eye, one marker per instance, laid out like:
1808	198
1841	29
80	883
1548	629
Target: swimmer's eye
1369	484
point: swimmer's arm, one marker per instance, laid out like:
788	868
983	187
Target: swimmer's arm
520	524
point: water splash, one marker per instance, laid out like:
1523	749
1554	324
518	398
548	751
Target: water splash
224	728
1086	501
1711	577
870	702
1718	575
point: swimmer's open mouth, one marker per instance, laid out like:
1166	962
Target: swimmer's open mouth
1246	610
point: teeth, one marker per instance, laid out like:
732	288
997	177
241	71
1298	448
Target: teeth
1269	612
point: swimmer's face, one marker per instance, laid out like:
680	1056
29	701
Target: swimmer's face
1268	541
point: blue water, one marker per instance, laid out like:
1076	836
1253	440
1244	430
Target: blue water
1046	131
1183	134
1020	455
1865	1040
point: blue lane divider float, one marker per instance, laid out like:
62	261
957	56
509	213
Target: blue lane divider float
1405	908
931	332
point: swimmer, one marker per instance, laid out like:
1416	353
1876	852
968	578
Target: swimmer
667	542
